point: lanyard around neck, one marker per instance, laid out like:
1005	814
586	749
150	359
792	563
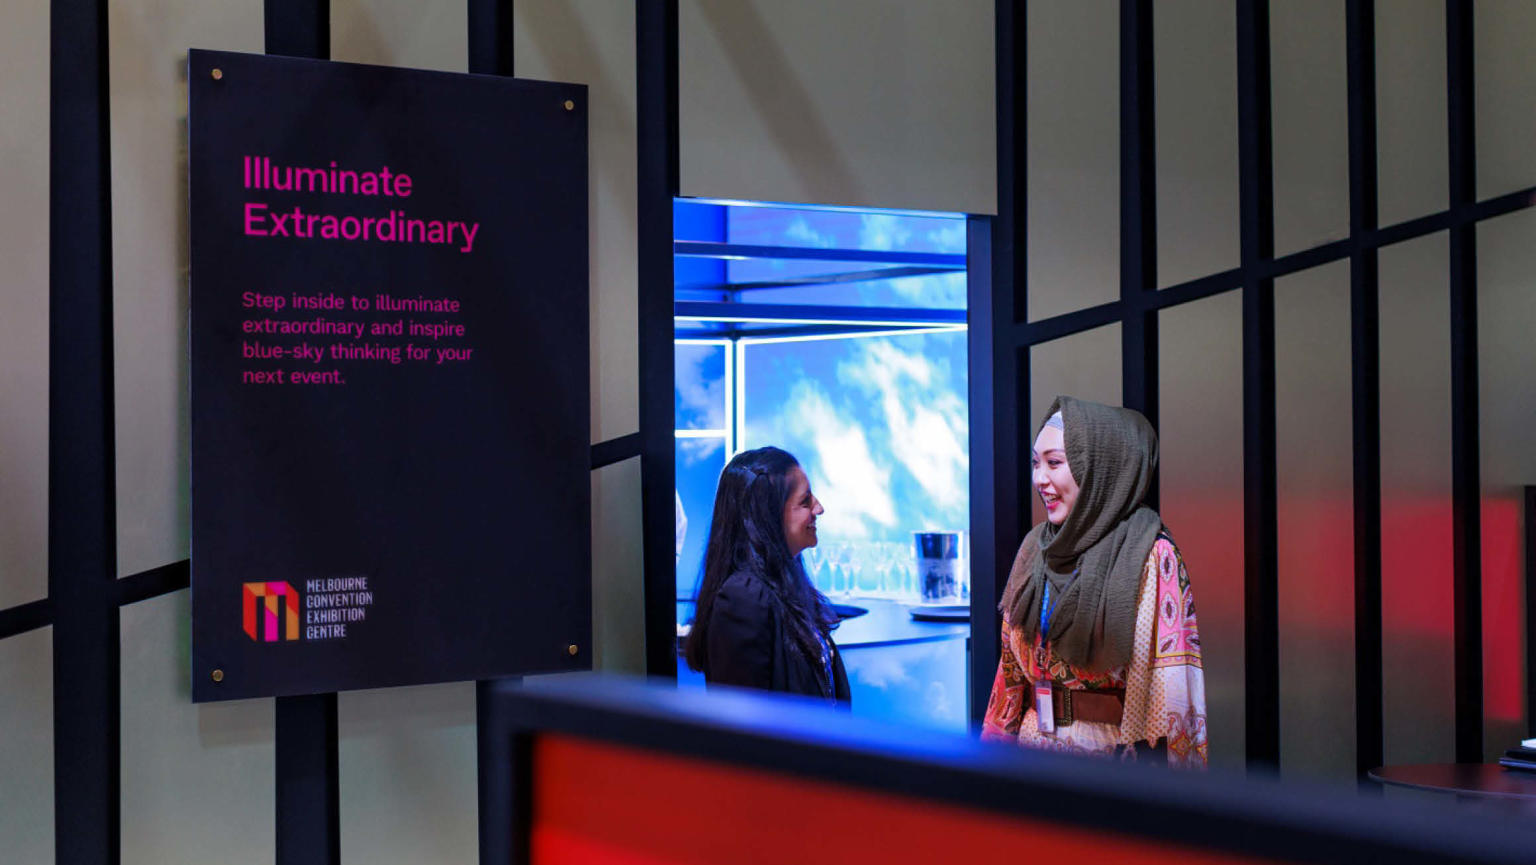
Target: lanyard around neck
1047	606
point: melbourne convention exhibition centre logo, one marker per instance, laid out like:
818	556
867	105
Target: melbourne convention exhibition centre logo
270	611
264	604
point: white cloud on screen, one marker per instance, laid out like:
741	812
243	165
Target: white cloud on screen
883	231
927	424
950	237
883	671
845	476
695	451
800	233
698	393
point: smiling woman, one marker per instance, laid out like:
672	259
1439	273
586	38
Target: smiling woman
760	622
1100	649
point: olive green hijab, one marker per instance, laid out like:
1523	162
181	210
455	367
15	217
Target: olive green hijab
1094	559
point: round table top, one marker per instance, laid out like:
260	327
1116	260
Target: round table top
1468	779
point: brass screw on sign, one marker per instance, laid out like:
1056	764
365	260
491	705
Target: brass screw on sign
218	74
218	675
570	106
572	649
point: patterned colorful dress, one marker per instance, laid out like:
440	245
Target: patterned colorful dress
1164	683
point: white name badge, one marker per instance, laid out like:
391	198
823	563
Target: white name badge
1045	712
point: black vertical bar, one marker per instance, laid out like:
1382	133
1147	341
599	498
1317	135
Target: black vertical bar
995	302
983	449
491	53
519	771
1466	519
1011	22
308	808
499	797
308	776
1260	535
657	186
490	37
1360	29
82	528
1138	215
298	28
1530	610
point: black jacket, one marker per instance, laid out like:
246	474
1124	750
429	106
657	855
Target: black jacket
749	645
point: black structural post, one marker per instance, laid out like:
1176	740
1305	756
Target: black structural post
657	131
82	527
490	37
491	53
1260	533
1466	498
995	302
1365	349
308	775
297	28
1138	216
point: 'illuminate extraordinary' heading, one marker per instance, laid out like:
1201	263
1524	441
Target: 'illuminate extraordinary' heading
395	226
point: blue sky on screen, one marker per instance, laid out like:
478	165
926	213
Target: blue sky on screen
699	392
878	422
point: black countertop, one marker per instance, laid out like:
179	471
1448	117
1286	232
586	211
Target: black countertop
888	623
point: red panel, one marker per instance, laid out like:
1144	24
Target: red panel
600	804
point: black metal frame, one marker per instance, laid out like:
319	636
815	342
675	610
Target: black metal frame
1138	215
84	592
657	185
1139	302
1365	351
998	368
1466	495
307	816
1261	631
82	527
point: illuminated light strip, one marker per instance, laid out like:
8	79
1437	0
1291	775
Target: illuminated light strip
739	385
905	331
854	322
730	399
830	208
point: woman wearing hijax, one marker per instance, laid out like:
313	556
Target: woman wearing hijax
1100	649
759	621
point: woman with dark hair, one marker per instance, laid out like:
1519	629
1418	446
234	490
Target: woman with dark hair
759	621
1100	650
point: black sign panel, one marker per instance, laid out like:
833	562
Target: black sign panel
389	340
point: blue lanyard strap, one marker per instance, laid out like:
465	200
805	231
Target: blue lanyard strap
1046	608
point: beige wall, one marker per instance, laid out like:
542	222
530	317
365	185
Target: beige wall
1506	318
24	293
1417	647
1411	146
1315	496
877	103
147	48
1072	156
26	661
1194	50
862	102
1200	356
